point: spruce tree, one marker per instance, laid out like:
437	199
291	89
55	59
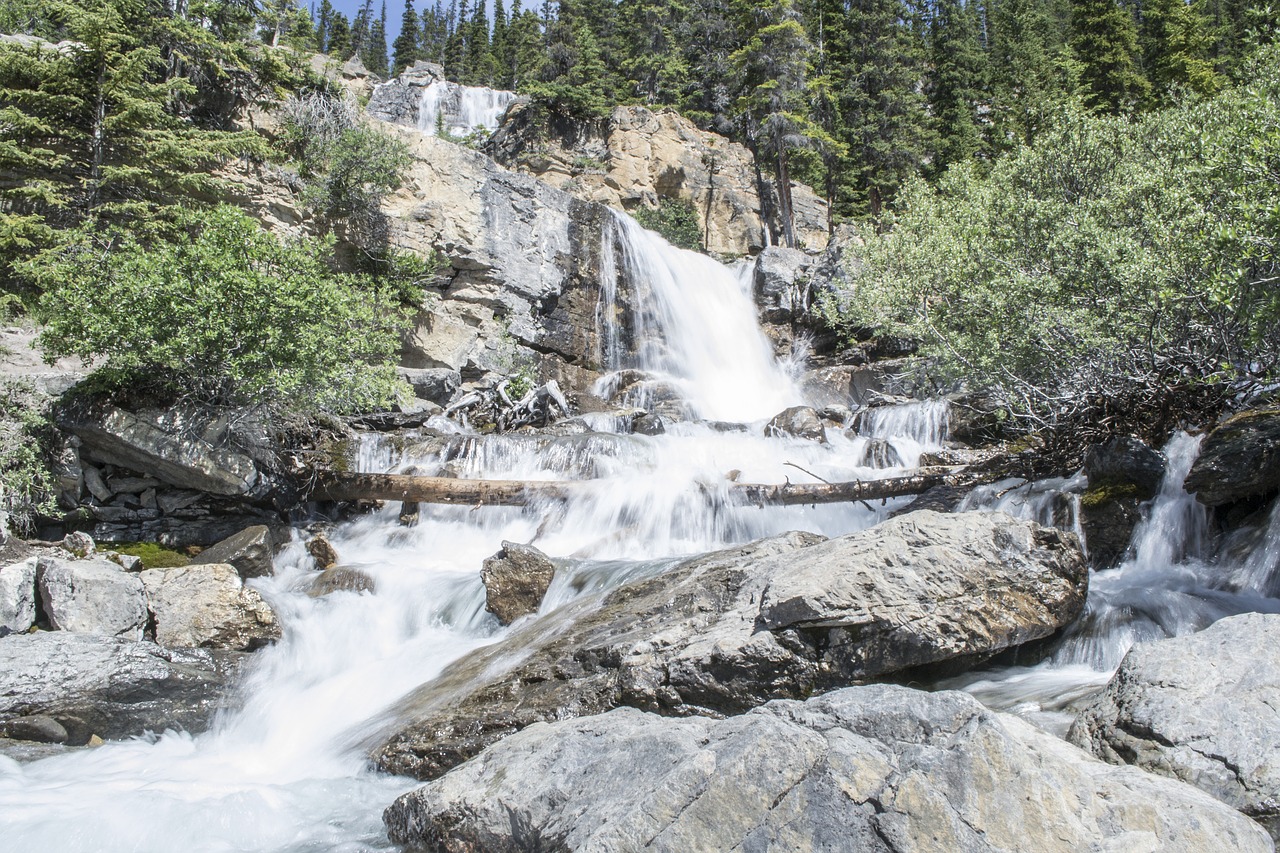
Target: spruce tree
340	45
1104	40
480	63
1025	39
1175	41
498	47
324	25
455	46
709	36
525	48
956	83
406	46
375	56
653	63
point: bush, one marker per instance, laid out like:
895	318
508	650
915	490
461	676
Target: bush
221	313
1118	275
27	486
676	220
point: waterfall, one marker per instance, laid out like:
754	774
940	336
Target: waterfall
461	110
282	768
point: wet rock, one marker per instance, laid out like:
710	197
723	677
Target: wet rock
207	606
91	597
110	687
250	551
18	595
1108	519
39	728
515	580
880	768
1239	459
648	424
341	579
1125	463
879	453
938	499
1204	709
434	384
798	421
322	551
782	617
780	284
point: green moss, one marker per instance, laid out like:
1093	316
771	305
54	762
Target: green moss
153	555
1108	493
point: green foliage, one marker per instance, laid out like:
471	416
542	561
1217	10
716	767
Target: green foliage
676	220
153	555
28	488
221	312
1115	271
1104	40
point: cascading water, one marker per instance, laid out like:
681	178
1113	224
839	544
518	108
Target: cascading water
461	110
282	767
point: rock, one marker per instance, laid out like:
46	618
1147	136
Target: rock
798	421
38	727
436	385
18	595
780	284
128	562
250	551
881	768
183	448
1125	463
1108	519
400	100
341	579
110	687
977	418
1240	458
515	580
96	485
207	606
780	618
1204	708
91	597
322	551
79	544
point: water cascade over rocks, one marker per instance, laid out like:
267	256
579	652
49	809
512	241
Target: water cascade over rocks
461	110
285	765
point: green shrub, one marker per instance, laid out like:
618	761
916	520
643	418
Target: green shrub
221	312
27	486
676	220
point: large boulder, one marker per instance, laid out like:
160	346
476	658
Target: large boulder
91	597
250	551
109	687
779	618
879	768
798	422
1122	473
18	595
515	580
207	606
1203	708
780	284
1239	459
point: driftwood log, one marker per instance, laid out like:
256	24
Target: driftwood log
445	490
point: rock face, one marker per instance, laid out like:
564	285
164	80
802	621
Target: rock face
108	687
1122	473
515	580
638	156
400	101
779	618
879	768
18	595
780	284
207	606
1125	463
250	551
1239	459
92	597
1204	709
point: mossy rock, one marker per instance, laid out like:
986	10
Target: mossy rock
153	555
1109	493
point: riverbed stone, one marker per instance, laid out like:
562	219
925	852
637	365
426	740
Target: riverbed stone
91	597
515	580
1239	459
341	579
1204	708
40	728
207	605
799	422
783	617
18	595
879	768
93	685
250	551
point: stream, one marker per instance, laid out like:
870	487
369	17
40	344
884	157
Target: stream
282	768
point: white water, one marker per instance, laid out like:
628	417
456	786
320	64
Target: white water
283	772
461	110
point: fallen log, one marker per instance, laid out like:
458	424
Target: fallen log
445	490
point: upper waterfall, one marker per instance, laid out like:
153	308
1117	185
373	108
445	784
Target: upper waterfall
460	110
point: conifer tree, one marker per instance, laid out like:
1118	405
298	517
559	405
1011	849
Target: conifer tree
339	44
653	62
455	46
375	56
525	48
498	47
324	25
480	64
709	35
1025	38
956	83
1175	41
406	46
1104	40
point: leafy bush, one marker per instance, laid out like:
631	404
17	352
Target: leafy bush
27	486
1116	275
222	312
676	220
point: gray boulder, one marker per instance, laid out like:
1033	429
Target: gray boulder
515	580
1239	459
91	597
109	687
341	579
207	606
780	618
880	768
250	551
18	595
436	384
1204	709
798	421
1125	463
780	284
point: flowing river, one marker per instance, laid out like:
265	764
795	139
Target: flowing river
283	767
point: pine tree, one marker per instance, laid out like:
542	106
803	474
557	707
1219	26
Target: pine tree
324	26
1175	40
956	83
1025	37
709	36
339	44
1104	40
653	63
375	55
406	46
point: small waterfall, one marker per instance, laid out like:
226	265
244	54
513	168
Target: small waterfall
461	110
